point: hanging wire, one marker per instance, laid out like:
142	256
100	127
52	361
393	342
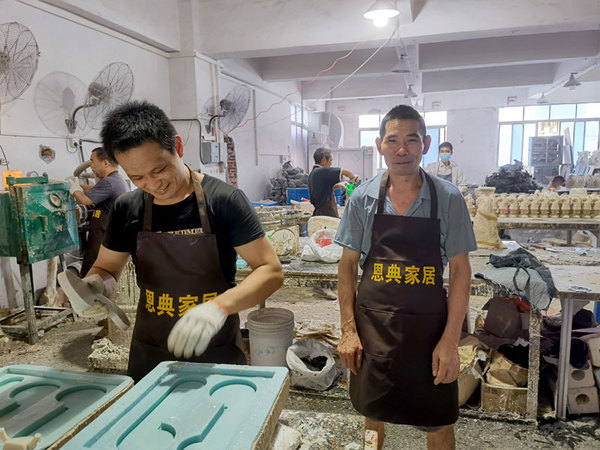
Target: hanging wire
304	84
329	91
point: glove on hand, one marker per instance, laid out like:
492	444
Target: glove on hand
73	185
193	332
96	282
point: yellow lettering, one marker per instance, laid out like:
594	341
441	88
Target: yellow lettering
150	301
377	272
412	275
165	305
187	302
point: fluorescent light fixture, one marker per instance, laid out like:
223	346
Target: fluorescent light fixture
381	11
410	93
401	65
572	83
542	100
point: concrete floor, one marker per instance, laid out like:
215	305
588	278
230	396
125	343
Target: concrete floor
327	420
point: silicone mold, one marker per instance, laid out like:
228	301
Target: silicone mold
54	403
191	406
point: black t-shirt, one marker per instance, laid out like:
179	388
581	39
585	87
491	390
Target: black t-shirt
320	184
232	218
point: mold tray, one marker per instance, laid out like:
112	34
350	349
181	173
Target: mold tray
192	406
54	403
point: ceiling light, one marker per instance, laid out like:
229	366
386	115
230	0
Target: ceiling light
542	100
401	65
410	93
381	11
572	83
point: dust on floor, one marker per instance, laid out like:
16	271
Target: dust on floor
326	421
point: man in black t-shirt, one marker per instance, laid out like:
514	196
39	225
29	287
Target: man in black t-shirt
323	180
183	230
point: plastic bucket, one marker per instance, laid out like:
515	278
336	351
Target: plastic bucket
271	333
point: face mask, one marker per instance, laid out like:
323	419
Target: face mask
445	157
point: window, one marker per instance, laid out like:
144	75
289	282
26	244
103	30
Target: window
578	123
299	124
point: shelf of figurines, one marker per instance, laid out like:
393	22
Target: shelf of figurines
577	204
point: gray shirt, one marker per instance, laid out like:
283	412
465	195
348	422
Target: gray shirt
456	230
107	190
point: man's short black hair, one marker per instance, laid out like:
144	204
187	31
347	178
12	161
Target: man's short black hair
103	156
133	123
558	179
320	153
403	112
447	145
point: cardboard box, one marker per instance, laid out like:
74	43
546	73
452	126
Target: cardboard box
504	373
503	318
503	398
468	382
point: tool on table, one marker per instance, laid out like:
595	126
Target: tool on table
83	299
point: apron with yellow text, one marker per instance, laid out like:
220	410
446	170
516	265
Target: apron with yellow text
401	313
175	272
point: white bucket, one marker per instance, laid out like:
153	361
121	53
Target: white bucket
271	333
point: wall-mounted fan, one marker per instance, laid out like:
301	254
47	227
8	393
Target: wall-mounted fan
18	60
231	110
55	99
332	130
112	86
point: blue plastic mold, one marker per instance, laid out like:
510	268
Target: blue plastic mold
190	406
37	399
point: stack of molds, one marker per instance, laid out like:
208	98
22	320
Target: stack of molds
191	405
54	403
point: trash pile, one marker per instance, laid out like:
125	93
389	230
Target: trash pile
512	178
288	177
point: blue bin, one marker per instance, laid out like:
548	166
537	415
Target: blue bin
265	203
338	196
296	194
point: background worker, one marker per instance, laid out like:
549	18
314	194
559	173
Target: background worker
101	195
323	180
400	331
445	168
182	230
557	182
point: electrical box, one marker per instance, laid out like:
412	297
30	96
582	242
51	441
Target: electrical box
212	152
37	220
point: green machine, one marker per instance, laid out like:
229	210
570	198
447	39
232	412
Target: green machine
37	222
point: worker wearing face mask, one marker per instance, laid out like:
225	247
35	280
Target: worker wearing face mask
444	168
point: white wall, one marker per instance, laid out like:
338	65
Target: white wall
72	45
474	136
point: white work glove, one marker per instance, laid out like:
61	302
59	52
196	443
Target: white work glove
96	282
192	333
73	185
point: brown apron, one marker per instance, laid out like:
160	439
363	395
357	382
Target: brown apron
401	312
329	208
98	226
175	272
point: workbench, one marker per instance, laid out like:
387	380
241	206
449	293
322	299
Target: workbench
561	223
563	261
564	277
